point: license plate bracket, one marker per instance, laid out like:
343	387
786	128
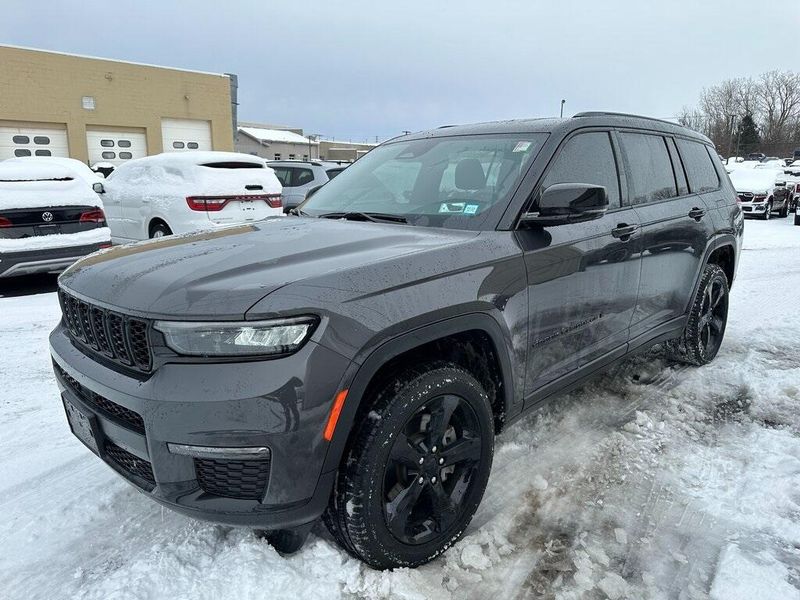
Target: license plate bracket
47	229
84	427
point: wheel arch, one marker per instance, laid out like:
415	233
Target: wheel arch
156	220
721	251
476	329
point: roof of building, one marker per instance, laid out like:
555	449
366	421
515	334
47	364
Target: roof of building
276	135
115	60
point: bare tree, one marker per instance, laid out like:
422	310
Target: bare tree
779	104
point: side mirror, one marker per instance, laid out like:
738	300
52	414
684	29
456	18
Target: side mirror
565	203
98	188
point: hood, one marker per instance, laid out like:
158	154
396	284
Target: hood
220	274
755	181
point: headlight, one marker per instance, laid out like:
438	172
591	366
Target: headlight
248	338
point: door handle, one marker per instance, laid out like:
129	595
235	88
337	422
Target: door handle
623	231
697	213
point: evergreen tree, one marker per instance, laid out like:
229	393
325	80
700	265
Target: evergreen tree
747	136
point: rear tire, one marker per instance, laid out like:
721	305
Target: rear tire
159	230
415	469
768	212
784	211
796	219
708	317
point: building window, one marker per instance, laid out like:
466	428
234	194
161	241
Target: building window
21	139
178	145
305	156
192	145
124	143
107	143
43	153
87	102
291	157
125	155
108	155
41	140
277	156
22	152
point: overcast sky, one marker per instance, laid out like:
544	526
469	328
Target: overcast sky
353	69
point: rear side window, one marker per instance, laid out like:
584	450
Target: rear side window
699	168
303	176
651	176
587	158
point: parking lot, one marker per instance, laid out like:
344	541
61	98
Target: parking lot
653	481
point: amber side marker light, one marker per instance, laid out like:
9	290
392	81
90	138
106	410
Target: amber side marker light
336	410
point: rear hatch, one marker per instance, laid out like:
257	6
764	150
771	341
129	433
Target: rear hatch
236	191
46	220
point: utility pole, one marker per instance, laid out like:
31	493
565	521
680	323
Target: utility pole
561	116
730	137
406	132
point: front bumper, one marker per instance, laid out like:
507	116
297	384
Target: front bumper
51	260
753	208
271	403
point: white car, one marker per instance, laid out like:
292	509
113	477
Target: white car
49	218
761	192
181	192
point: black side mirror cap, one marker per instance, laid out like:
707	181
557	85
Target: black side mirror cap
98	188
565	203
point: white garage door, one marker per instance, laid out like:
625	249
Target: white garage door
115	147
33	141
180	135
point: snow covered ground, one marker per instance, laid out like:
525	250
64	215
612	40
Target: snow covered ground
655	481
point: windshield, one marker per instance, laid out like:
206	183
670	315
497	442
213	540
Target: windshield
458	182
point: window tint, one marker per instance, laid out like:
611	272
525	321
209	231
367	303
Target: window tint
22	152
303	176
178	145
651	176
677	166
124	143
41	140
43	153
107	143
333	172
108	155
284	175
587	158
192	145
125	155
21	139
702	174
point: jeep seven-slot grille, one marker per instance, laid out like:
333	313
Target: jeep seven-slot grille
242	479
119	338
111	409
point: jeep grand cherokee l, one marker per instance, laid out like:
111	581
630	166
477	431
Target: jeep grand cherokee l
356	361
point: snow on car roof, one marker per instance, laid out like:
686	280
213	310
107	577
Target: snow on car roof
195	158
755	176
80	169
13	171
276	135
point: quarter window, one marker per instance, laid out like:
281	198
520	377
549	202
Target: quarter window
109	155
107	143
677	165
302	177
21	139
587	158
43	153
702	174
42	140
22	152
650	169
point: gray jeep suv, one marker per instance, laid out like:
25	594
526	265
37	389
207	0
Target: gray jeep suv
355	361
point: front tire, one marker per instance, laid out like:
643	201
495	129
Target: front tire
415	469
708	317
768	212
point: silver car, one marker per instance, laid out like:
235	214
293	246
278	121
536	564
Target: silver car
299	177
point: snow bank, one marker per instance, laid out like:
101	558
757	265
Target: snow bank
744	577
59	240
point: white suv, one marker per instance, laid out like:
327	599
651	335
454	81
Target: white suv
300	177
182	192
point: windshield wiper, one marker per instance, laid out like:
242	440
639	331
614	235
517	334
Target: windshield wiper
297	212
365	216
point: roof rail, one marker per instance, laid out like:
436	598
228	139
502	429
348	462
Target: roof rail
602	113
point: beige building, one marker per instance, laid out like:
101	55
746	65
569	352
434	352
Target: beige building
92	109
344	151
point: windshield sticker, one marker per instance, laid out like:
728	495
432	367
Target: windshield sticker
522	147
451	207
471	209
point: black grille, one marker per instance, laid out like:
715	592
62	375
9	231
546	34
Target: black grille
241	479
117	337
130	464
746	197
111	409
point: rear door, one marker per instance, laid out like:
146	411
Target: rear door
583	277
675	227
